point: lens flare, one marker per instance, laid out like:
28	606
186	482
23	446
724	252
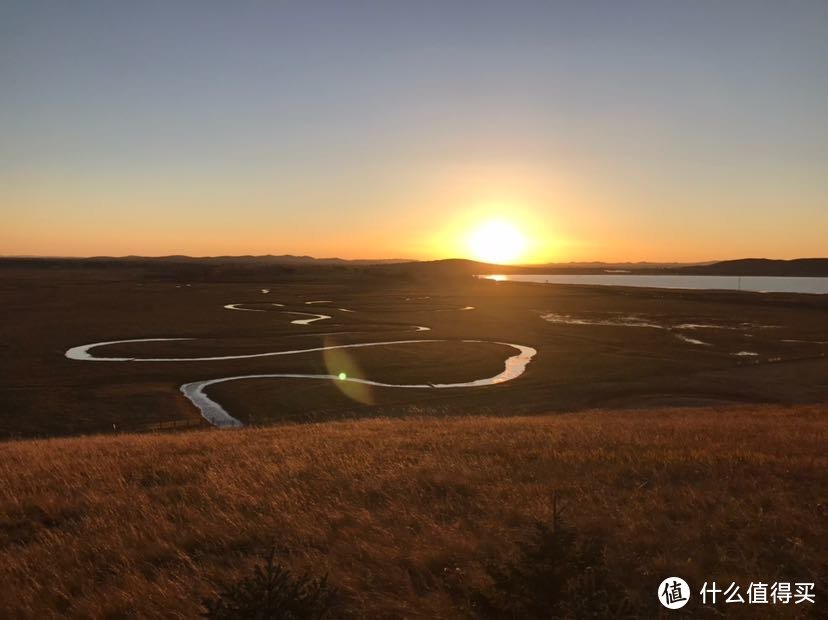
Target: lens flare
341	364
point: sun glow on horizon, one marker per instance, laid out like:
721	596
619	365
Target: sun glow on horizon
497	241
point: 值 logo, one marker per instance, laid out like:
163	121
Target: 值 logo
674	593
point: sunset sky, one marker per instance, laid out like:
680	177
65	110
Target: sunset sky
659	131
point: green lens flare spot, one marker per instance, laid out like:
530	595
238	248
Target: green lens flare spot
342	376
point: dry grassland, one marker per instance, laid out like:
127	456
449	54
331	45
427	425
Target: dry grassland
406	516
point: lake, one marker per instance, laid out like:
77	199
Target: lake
759	284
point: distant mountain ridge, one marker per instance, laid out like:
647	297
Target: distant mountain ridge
455	267
283	259
738	267
615	265
797	267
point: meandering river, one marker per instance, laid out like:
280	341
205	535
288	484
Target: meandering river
216	415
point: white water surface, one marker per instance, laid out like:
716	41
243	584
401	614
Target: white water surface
314	317
756	284
689	340
214	413
236	307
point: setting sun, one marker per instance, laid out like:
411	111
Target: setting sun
497	241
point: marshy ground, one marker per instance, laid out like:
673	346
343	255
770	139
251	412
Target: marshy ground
597	347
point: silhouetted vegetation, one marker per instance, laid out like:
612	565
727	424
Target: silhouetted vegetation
556	573
272	592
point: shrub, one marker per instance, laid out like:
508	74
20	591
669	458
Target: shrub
555	574
271	591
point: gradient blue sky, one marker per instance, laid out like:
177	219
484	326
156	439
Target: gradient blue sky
605	130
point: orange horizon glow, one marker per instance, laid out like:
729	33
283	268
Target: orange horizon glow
555	218
537	252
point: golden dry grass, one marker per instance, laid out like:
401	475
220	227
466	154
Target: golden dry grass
398	512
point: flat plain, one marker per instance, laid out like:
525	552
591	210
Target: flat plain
597	347
665	432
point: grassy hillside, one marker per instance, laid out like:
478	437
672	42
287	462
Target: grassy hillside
409	517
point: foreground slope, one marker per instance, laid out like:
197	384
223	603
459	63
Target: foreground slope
406	515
